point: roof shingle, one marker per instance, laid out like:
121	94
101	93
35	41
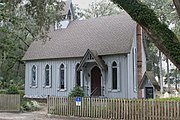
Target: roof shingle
107	35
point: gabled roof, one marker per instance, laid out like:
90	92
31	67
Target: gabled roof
148	75
66	7
107	35
97	59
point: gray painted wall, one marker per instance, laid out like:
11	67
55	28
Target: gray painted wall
127	84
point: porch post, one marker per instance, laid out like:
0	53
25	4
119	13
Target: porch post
83	83
103	83
82	79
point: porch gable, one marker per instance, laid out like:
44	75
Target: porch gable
92	56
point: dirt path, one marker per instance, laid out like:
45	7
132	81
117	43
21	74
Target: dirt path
37	115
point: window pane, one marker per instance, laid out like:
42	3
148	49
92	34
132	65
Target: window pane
78	81
78	75
33	76
114	77
114	64
62	77
47	75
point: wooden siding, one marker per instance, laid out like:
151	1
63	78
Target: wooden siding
42	91
132	82
110	108
121	92
124	75
9	103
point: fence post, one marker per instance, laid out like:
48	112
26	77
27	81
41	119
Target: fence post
108	108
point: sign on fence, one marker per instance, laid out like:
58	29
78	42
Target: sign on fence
78	101
113	108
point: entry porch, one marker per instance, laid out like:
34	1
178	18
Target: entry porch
93	70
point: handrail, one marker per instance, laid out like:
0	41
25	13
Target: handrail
94	91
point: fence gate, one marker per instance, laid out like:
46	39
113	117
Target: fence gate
9	103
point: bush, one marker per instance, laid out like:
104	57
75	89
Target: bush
77	91
21	92
28	105
170	98
2	91
12	90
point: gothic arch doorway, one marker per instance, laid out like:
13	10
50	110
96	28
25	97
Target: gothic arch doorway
95	81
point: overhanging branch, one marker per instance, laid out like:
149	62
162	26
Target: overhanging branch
163	38
177	5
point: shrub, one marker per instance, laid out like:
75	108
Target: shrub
170	98
76	91
2	91
28	105
21	92
12	90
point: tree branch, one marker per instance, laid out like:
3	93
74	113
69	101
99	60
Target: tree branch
163	38
177	5
23	40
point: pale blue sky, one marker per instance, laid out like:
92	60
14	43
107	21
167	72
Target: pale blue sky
83	3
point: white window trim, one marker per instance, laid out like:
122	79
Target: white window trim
50	76
118	76
134	70
65	79
36	84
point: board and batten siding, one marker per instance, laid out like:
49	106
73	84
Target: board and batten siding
122	86
40	90
124	77
132	70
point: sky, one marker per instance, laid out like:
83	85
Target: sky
83	3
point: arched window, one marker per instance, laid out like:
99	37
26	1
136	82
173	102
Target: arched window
69	15
34	75
114	75
62	77
78	76
47	75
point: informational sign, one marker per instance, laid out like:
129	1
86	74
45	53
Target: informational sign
78	101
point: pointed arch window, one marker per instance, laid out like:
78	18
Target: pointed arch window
47	75
34	76
62	74
69	15
114	75
78	76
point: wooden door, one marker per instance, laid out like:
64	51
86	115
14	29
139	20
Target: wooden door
149	92
96	81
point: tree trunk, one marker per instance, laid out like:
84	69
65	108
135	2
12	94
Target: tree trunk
168	80
177	5
176	79
160	72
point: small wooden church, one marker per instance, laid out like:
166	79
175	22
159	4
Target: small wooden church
105	56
